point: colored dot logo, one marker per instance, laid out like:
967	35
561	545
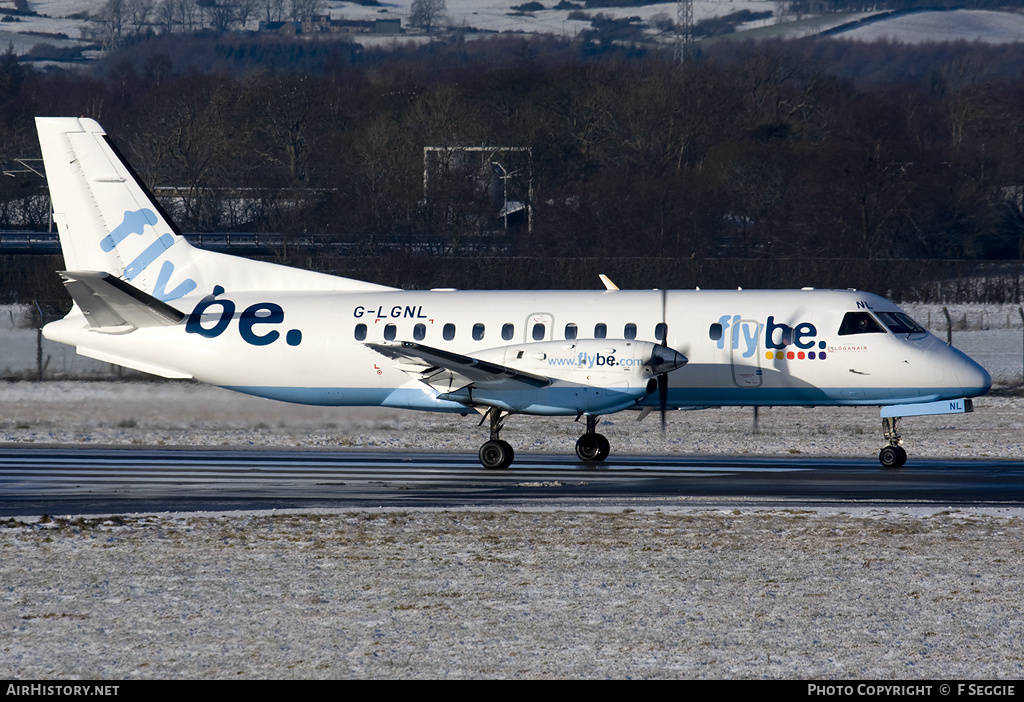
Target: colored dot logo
795	355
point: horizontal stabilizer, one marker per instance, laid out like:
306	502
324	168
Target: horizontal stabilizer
113	306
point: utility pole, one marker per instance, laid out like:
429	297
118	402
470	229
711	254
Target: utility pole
684	31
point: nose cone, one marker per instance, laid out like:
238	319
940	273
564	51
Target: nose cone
973	377
665	360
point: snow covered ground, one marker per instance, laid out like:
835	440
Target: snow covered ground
958	25
65	17
672	592
61	22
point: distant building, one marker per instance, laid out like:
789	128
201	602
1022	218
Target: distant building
387	26
289	29
324	24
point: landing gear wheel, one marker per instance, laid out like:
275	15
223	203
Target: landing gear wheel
892	456
592	448
496	455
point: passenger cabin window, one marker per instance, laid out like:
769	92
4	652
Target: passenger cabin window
859	323
629	331
900	323
419	332
661	331
715	332
390	332
571	331
600	330
538	332
448	332
508	331
478	331
360	332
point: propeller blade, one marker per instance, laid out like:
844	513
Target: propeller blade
663	377
663	398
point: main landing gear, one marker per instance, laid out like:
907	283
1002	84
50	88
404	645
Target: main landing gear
497	454
892	455
592	447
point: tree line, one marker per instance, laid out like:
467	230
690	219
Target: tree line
777	150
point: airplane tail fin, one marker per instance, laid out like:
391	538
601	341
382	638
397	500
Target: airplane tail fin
109	222
106	219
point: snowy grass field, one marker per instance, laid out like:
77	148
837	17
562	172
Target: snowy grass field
594	593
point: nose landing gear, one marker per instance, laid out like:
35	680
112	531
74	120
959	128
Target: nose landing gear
893	455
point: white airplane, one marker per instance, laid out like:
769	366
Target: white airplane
146	299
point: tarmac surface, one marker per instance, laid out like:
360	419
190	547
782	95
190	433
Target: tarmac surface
74	481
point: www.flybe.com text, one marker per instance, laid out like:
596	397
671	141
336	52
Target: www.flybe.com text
592	360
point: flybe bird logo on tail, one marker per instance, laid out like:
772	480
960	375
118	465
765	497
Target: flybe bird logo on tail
135	223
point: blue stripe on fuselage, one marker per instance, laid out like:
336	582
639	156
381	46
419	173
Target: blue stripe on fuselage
407	398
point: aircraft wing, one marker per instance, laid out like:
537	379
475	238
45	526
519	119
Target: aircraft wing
446	371
113	306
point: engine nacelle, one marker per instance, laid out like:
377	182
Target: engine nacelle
589	376
578	360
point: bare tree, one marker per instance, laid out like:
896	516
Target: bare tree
304	9
274	10
137	14
166	16
428	14
189	14
220	17
108	24
244	11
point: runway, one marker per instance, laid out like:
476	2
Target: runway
37	481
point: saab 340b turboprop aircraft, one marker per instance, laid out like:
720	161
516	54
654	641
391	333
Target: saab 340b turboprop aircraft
145	299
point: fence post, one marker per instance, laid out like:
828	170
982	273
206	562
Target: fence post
949	327
39	341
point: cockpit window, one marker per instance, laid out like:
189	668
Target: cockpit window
900	323
859	323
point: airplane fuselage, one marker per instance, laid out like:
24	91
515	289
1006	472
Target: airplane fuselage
759	347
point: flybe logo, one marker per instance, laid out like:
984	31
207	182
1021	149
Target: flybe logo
780	341
135	223
255	323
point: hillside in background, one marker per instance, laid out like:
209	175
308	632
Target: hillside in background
64	31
